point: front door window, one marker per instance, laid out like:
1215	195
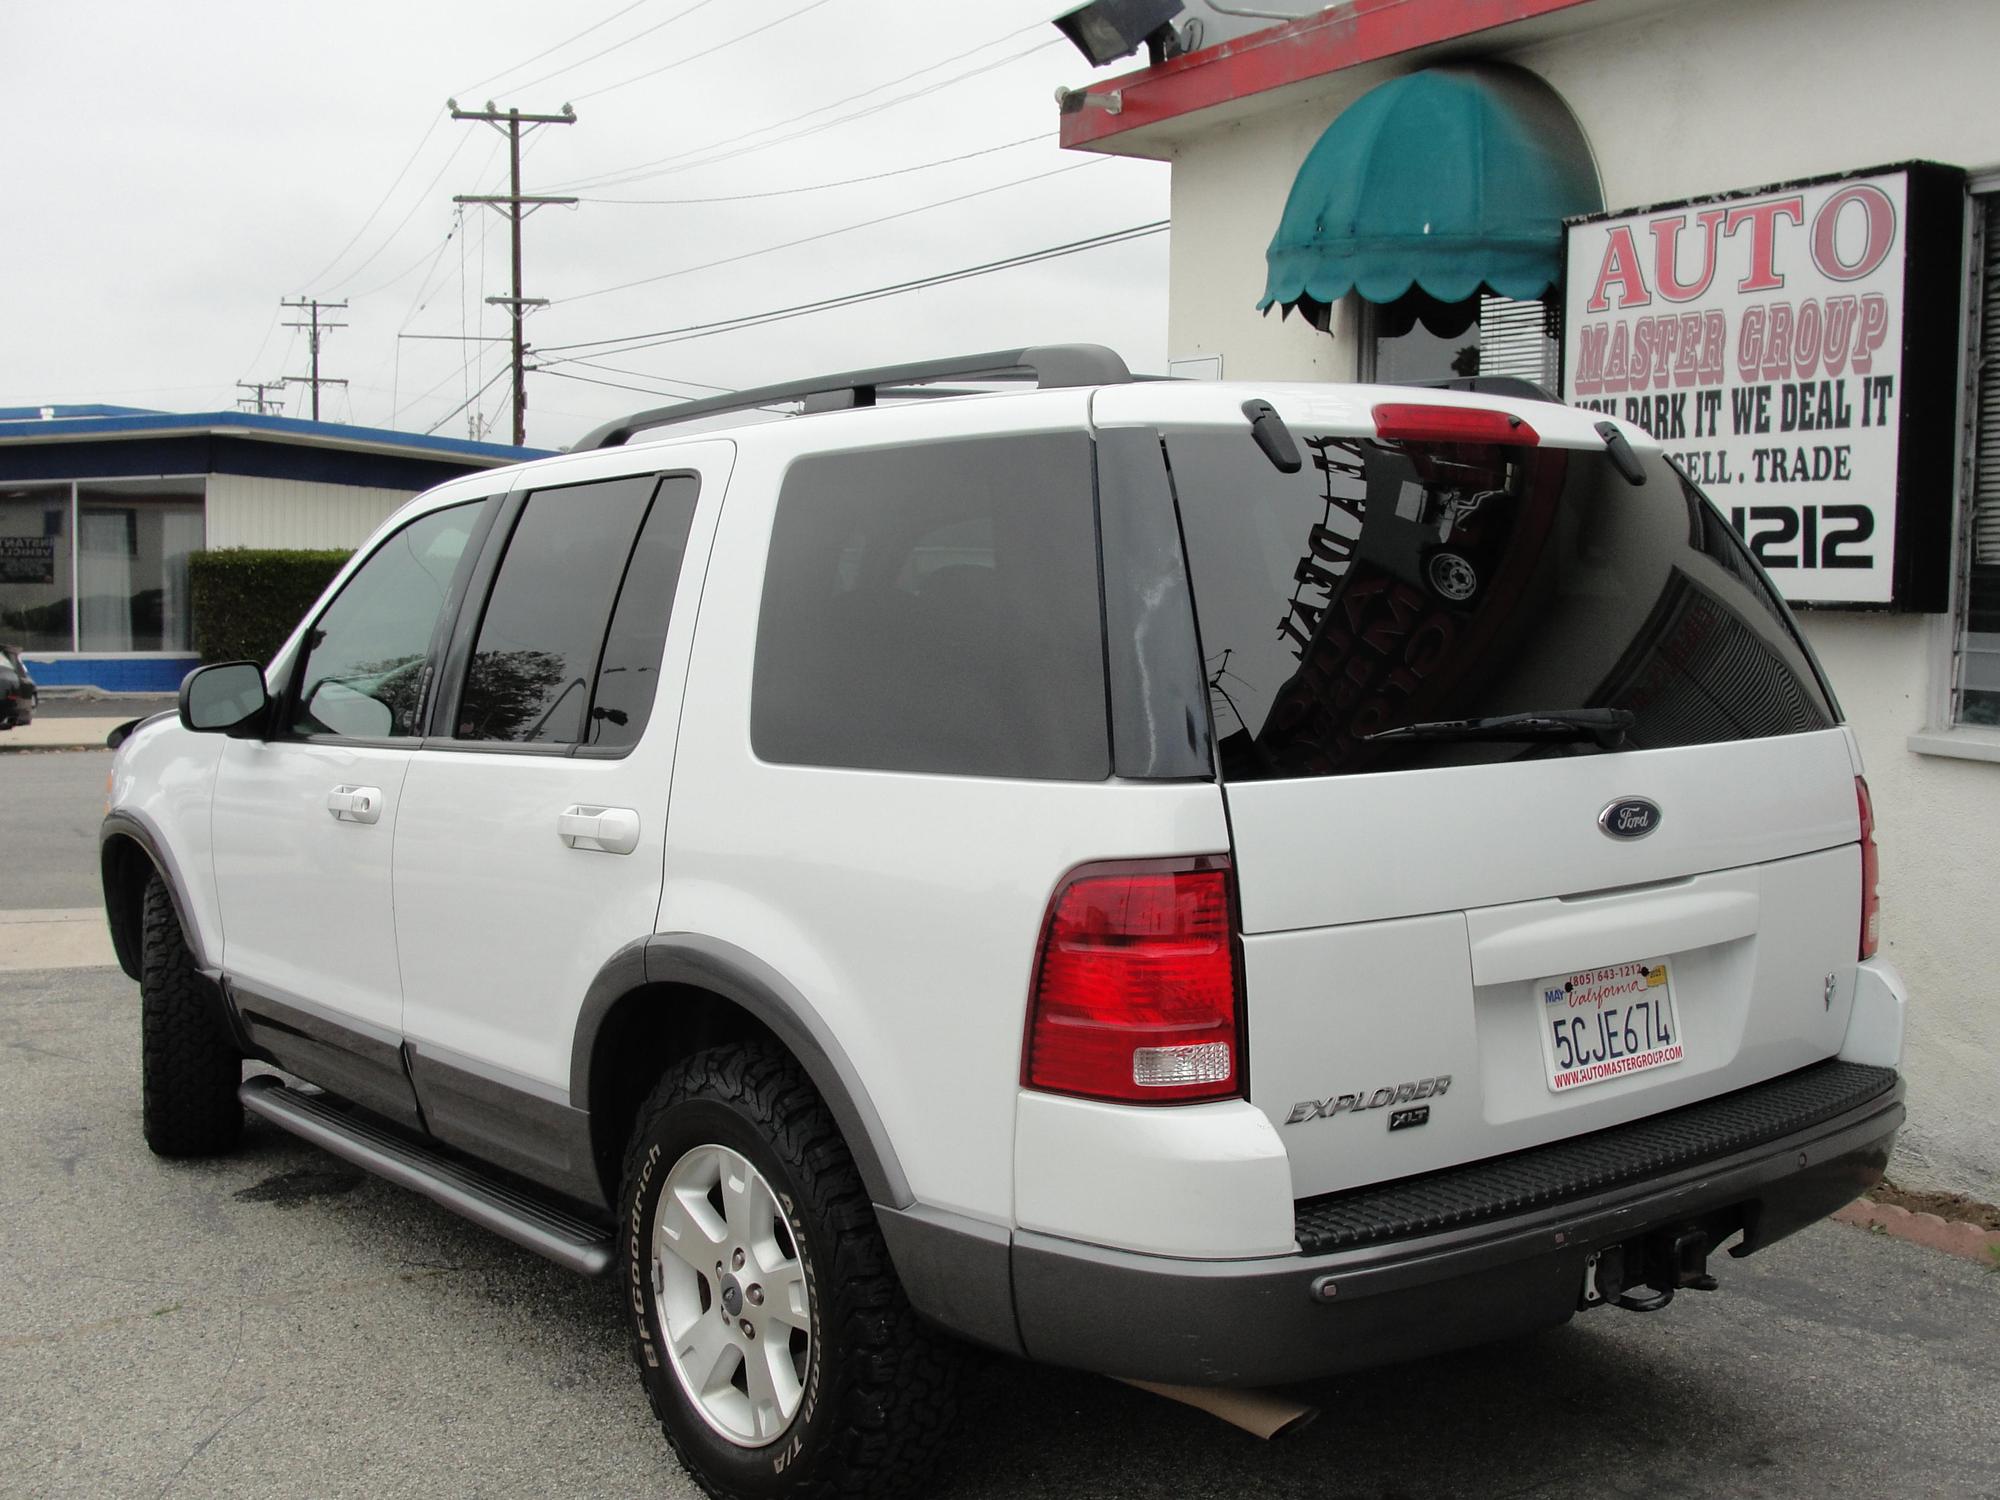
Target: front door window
363	669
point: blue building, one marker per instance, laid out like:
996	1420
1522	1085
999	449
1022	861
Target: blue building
101	507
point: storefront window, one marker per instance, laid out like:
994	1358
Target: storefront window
101	565
1419	339
134	538
35	565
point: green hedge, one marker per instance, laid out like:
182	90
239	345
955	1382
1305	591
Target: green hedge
247	599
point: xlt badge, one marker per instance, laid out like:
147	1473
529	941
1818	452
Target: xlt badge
1397	1093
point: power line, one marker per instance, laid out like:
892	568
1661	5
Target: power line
689	163
633	343
516	206
264	343
315	379
422	142
498	376
717	154
649	391
819	187
520	88
700	385
681	62
422	198
430	255
640	170
419	400
616	385
827	234
577	37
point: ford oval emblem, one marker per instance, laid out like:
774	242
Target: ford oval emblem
1629	818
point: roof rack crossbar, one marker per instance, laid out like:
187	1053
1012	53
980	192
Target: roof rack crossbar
1049	366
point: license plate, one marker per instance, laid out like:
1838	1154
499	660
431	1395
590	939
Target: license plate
1606	1023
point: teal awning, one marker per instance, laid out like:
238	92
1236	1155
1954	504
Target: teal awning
1447	180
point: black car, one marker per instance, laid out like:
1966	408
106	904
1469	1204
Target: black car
18	694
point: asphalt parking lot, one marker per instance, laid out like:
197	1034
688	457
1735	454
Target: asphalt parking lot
278	1324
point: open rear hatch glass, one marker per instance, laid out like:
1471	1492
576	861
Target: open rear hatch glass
1541	816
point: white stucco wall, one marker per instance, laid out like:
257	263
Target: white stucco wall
1938	827
1701	98
244	511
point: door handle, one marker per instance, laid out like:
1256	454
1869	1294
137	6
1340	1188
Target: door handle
609	830
355	804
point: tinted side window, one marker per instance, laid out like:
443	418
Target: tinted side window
363	670
631	671
538	642
936	609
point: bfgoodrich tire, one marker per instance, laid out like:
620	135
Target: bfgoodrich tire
188	1069
773	1339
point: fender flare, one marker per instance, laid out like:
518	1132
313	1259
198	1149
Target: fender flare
124	824
743	979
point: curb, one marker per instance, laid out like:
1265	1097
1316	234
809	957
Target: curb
1967	1241
61	733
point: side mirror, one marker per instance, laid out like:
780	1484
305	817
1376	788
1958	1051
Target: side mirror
219	698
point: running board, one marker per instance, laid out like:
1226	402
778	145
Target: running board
508	1211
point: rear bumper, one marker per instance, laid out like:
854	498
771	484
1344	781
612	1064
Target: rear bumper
1285	1318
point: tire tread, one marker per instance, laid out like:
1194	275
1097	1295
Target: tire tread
895	1419
189	1069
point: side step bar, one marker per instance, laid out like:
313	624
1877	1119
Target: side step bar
490	1203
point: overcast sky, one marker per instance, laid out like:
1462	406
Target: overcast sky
177	169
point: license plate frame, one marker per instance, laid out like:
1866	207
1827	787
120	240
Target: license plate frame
1610	1022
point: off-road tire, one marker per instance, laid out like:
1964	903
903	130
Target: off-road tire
189	1069
881	1394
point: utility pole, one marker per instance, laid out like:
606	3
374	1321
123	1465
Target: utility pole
315	379
257	400
515	206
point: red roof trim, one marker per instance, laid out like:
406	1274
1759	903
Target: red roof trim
1344	37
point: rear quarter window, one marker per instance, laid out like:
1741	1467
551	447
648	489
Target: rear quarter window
935	608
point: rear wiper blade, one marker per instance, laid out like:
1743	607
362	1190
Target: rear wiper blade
1606	726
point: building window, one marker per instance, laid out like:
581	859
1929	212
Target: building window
133	541
1976	680
35	567
1418	339
99	566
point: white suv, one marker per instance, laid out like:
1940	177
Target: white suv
1217	884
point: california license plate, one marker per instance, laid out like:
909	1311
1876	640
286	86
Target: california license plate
1607	1023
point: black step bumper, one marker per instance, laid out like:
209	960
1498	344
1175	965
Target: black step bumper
1500	1249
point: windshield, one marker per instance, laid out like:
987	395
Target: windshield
1390	584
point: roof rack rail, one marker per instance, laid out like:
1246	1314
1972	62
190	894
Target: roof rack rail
1048	365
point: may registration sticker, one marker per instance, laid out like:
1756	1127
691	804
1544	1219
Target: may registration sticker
1606	1023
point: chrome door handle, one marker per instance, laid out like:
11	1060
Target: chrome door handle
355	804
609	830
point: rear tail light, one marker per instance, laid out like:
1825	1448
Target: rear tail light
1871	874
1408	422
1136	997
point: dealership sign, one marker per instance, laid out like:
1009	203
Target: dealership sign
1796	351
